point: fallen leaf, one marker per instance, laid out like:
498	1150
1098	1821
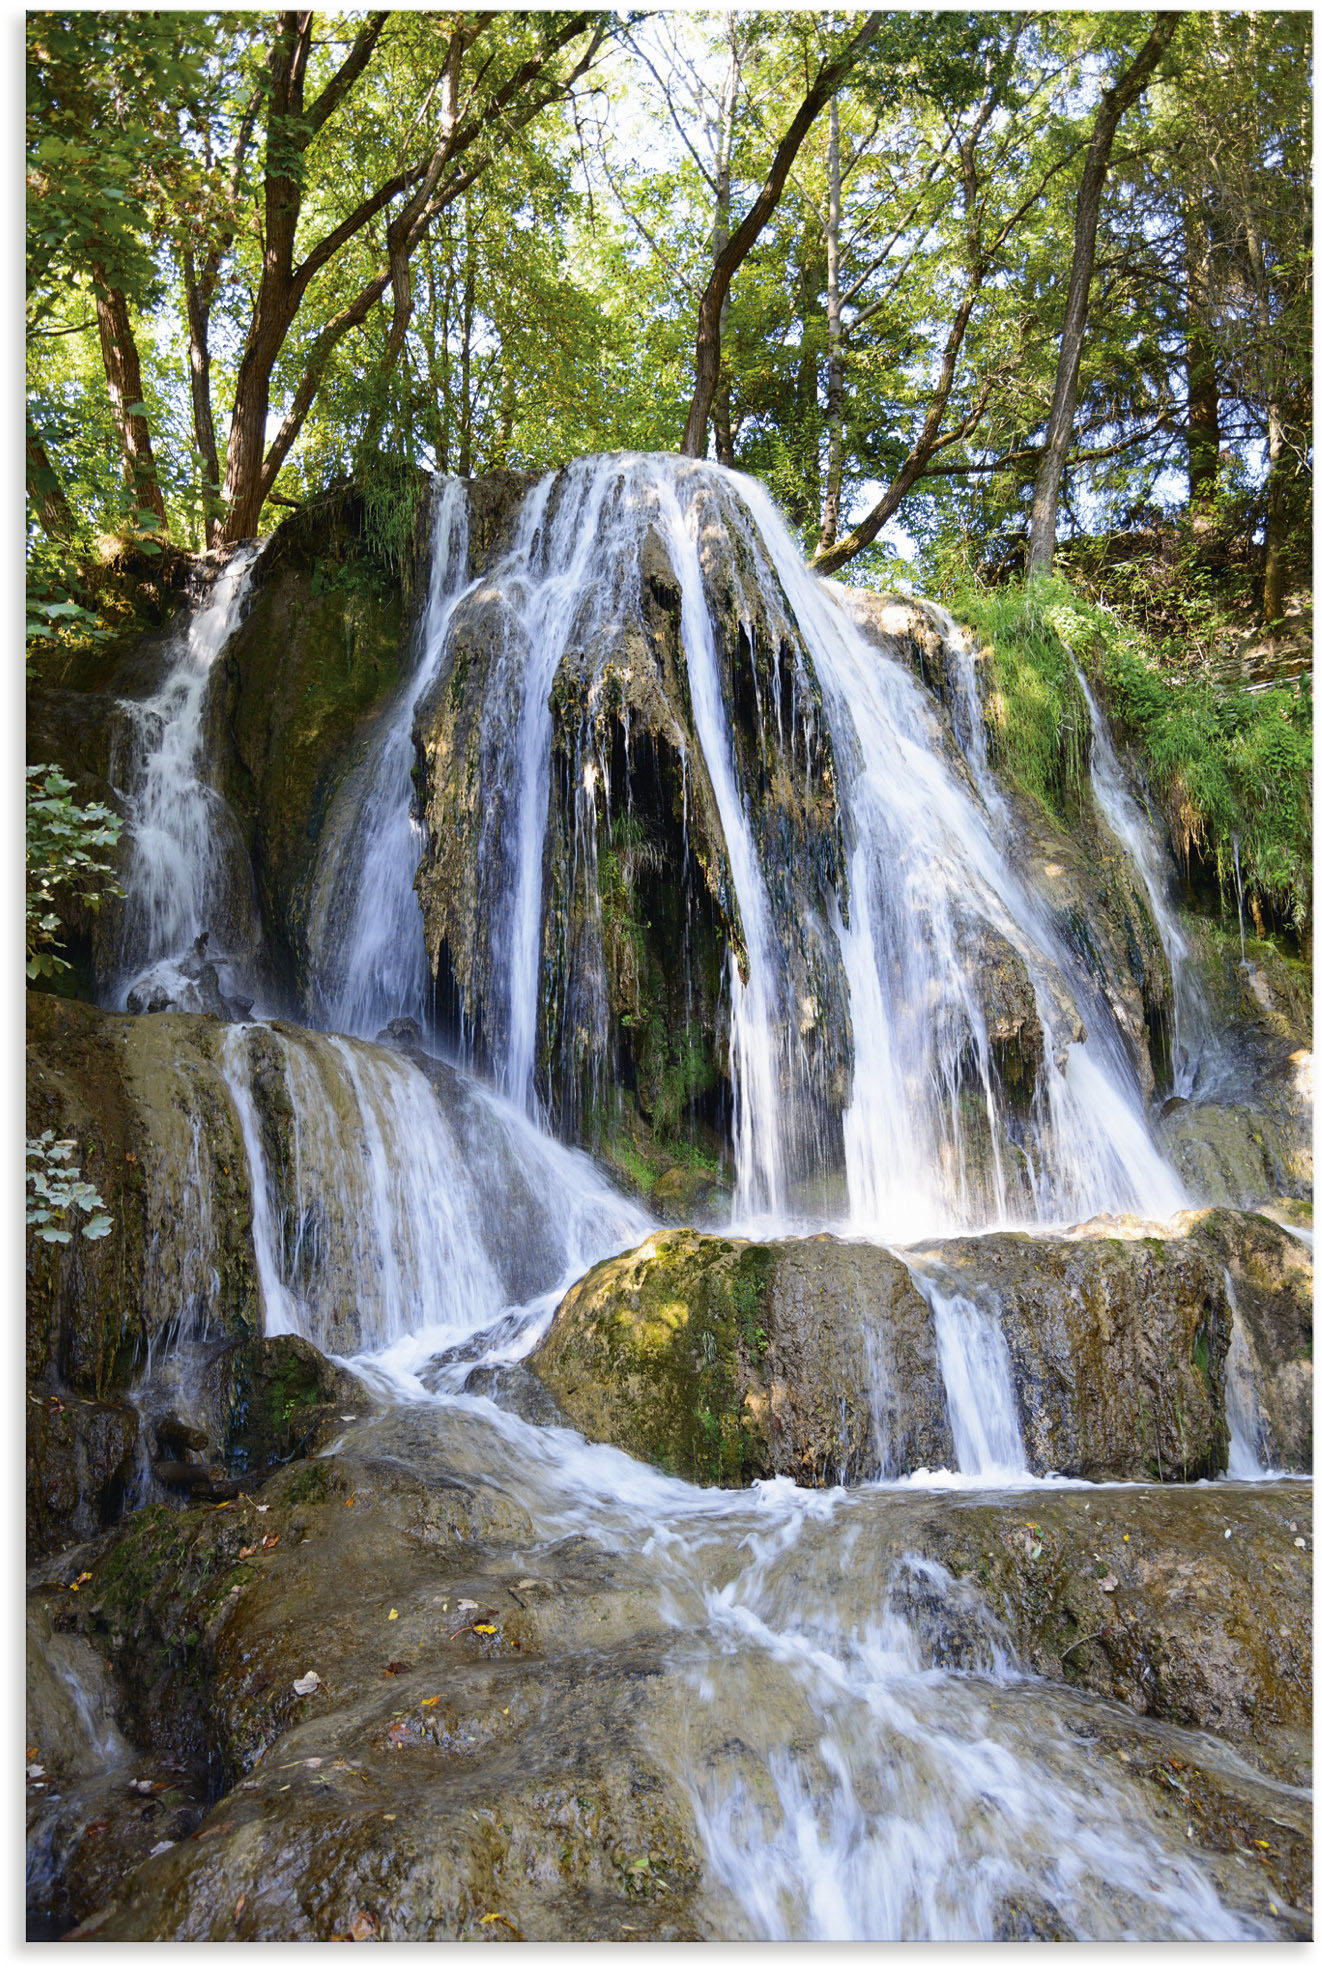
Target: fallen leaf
1230	1533
1110	1582
487	1919
240	1904
399	1667
83	1577
349	1502
33	1749
466	1606
308	1683
313	1762
166	1845
393	1613
348	1417
389	1816
269	1542
397	1734
1300	1545
97	1826
485	1629
362	1927
246	1550
430	1701
36	1770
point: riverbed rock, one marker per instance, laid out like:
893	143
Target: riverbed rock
724	1360
424	1723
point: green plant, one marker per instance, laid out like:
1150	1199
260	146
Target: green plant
1036	717
1231	767
62	857
55	1187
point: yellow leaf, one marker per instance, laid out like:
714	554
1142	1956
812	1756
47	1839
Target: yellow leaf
487	1629
431	1701
392	1614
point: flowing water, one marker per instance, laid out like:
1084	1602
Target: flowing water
852	1776
187	874
368	962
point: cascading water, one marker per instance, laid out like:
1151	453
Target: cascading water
1193	1046
368	962
187	875
849	1777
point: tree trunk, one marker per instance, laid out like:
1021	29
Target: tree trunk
1060	425
1204	431
198	303
835	370
45	491
466	355
707	353
119	354
720	239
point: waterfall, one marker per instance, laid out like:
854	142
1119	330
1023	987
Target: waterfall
383	1212
187	874
367	959
925	857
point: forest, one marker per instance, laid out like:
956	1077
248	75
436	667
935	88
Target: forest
669	941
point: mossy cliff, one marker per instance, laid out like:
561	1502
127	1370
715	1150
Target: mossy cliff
640	920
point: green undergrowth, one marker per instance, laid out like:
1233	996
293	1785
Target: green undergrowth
1231	767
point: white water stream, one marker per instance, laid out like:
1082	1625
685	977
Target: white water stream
187	873
848	1782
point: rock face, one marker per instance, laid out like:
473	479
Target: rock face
723	1360
174	1281
1117	1347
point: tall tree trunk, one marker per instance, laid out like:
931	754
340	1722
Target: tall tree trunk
707	354
1060	425
119	355
835	368
1204	424
720	238
466	355
198	303
44	489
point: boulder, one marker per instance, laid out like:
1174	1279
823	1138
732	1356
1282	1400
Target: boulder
724	1360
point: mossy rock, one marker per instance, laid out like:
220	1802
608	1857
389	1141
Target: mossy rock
723	1361
285	1399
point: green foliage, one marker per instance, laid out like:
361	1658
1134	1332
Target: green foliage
55	1187
1231	767
1037	720
63	858
392	495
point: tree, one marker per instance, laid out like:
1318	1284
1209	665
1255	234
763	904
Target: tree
1115	101
707	356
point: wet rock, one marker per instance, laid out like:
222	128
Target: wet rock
518	1389
1117	1346
464	1792
1271	1273
724	1360
283	1399
1208	1623
81	1457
